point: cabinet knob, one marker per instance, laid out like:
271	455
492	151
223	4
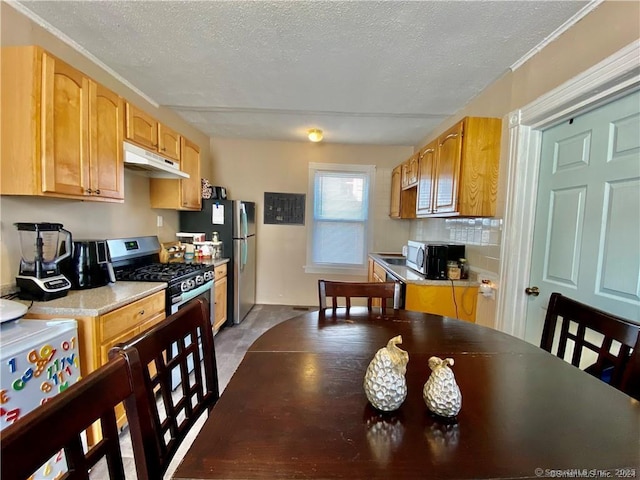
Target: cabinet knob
97	192
141	312
89	191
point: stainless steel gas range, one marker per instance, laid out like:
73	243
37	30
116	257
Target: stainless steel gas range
137	259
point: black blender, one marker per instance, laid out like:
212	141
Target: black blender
39	277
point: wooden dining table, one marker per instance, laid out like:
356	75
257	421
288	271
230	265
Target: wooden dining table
296	408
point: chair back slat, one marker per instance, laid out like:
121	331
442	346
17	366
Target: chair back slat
589	319
167	351
384	291
29	443
631	379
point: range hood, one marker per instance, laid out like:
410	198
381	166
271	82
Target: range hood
151	164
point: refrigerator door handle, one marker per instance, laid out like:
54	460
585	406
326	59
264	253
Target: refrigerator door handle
243	252
244	228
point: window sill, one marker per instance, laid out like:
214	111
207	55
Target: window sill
335	270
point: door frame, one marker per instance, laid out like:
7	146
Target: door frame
611	78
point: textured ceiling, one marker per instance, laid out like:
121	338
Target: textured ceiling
364	72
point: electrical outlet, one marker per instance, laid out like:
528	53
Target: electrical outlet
159	220
489	278
488	284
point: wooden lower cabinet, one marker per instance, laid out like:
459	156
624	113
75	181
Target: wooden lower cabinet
439	300
377	274
220	307
98	334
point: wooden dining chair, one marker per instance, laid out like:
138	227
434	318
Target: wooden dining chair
29	443
384	291
166	352
610	365
631	378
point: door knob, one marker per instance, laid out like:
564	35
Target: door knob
535	291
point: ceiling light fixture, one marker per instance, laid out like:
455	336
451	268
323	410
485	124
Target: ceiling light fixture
315	134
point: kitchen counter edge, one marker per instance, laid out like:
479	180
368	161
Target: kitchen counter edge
408	276
94	302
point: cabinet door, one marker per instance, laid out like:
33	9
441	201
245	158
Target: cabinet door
191	188
141	128
106	164
220	308
168	142
424	204
448	170
439	300
405	174
65	128
413	170
396	179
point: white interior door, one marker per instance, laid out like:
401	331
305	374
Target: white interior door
586	241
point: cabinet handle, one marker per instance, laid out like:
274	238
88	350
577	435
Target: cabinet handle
97	192
141	312
451	135
89	191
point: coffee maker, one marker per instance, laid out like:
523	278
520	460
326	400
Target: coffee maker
39	277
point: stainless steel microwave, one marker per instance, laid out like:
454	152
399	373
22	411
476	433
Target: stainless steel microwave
430	259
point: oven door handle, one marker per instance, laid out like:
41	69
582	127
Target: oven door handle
185	297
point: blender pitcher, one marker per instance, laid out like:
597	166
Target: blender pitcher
39	277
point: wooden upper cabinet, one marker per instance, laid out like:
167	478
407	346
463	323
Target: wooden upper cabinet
480	167
403	200
183	194
396	181
141	128
463	167
447	175
169	142
106	119
191	188
56	143
410	172
146	131
427	163
65	128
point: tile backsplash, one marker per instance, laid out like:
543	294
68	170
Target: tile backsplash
474	231
482	237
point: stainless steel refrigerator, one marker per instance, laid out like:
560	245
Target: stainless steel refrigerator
235	222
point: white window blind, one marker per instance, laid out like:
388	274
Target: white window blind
340	236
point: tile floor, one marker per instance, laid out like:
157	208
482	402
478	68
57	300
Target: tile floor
231	343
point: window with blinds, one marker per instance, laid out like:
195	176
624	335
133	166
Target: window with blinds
340	225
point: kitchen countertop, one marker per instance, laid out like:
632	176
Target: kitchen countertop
209	261
407	275
94	302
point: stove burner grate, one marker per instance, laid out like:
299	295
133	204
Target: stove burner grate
165	272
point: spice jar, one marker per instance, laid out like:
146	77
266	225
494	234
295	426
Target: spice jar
464	268
453	270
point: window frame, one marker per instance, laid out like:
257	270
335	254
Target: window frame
340	269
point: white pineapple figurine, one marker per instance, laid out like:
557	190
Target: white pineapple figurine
384	381
441	392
